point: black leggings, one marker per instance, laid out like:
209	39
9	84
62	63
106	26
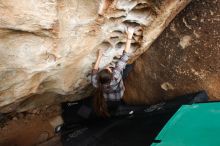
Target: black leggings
113	106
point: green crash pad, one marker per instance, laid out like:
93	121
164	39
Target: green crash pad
192	125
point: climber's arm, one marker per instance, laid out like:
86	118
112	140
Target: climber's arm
120	65
130	33
96	66
94	76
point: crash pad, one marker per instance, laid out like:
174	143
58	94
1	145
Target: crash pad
192	125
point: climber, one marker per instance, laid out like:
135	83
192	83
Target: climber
109	83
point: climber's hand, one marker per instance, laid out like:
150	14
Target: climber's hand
130	32
138	28
101	51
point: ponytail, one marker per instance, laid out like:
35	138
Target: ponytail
100	105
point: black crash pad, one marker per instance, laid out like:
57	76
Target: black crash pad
124	128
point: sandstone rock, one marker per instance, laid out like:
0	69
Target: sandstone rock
184	59
43	137
48	46
30	16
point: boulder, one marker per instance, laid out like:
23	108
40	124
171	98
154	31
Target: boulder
47	47
184	59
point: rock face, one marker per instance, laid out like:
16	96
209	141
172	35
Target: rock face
184	59
48	46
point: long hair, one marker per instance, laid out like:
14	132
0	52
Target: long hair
100	105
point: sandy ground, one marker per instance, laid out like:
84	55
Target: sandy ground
31	128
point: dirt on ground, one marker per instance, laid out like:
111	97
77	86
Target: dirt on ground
29	128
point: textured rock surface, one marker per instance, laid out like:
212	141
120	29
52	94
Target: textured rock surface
184	59
48	46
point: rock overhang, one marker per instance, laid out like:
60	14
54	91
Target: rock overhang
49	46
